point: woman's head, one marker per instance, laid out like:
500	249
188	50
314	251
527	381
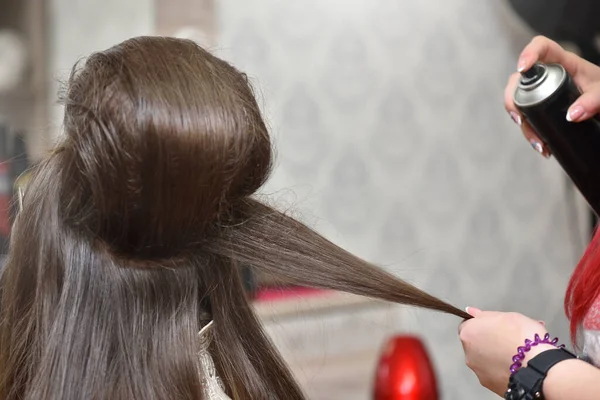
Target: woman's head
133	230
161	139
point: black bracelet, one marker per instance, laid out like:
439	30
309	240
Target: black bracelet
527	383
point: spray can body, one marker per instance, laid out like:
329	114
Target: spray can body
544	95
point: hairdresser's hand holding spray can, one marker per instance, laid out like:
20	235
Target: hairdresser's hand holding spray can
555	98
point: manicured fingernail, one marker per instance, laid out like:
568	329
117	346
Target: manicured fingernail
521	65
537	146
575	113
472	310
516	118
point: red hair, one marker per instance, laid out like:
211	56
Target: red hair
584	286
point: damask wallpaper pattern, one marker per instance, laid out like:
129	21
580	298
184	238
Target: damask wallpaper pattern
392	136
77	28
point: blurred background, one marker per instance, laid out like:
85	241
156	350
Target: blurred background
392	140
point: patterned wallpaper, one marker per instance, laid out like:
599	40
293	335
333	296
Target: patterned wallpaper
393	140
190	19
79	27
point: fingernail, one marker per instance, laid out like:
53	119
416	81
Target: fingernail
516	118
537	146
521	65
575	113
472	310
542	323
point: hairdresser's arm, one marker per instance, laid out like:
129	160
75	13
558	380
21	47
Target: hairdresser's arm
572	379
490	340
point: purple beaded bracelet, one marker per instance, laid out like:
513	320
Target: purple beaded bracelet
521	350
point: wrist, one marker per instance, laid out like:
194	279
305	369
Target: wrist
530	382
532	348
555	386
540	348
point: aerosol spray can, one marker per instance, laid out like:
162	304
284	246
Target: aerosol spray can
544	94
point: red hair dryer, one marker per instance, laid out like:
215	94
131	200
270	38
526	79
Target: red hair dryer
405	372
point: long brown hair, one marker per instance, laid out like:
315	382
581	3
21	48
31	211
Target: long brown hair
133	230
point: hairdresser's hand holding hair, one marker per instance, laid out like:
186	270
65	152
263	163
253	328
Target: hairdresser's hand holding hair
585	74
490	340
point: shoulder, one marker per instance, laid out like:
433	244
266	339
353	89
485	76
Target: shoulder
592	318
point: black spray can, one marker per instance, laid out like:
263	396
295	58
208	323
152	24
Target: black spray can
544	95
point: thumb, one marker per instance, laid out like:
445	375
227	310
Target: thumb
586	106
